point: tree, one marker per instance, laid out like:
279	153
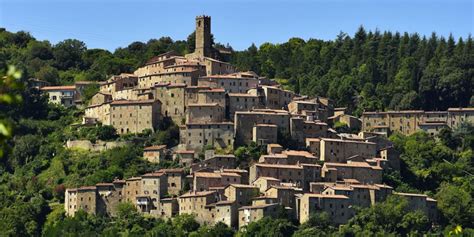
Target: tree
268	227
186	223
456	205
106	132
218	230
9	87
318	224
390	217
49	74
68	54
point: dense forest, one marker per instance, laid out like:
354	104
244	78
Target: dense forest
370	71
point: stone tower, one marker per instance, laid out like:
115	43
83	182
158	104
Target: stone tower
203	36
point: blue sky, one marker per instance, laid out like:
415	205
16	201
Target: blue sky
110	24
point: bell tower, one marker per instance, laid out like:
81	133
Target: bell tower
203	36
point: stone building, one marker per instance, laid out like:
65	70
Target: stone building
204	180
170	68
277	98
352	122
456	116
298	106
146	192
184	157
118	83
132	189
362	195
153	188
100	98
283	195
175	180
205	113
245	121
215	162
167	208
263	134
264	183
244	102
392	156
109	195
274	148
361	171
154	154
212	96
423	203
128	116
232	83
300	175
313	145
336	206
410	121
195	202
203	36
97	112
83	198
223	211
300	129
248	214
204	53
61	95
244	174
173	100
432	128
37	83
338	150
289	157
196	136
241	194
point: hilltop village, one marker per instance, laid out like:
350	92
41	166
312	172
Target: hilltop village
219	109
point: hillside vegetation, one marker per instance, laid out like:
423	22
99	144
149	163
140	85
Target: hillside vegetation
369	71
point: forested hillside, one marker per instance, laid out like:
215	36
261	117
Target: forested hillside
372	70
369	71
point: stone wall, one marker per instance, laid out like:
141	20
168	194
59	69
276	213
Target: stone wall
98	146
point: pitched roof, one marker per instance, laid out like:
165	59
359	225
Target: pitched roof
128	102
155	174
154	148
346	141
203	104
267	178
242	186
197	194
54	88
213	90
279	166
172	170
241	95
85	188
317	195
352	164
258	206
274	145
234	171
185	152
104	184
299	153
207	175
470	109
